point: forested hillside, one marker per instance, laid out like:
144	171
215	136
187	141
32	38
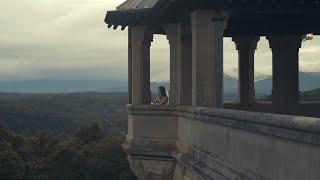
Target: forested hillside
311	96
63	136
59	113
91	152
307	96
69	136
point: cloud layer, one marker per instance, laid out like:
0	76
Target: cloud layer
67	39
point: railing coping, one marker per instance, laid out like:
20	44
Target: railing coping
307	124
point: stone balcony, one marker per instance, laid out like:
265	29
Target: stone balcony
191	142
183	142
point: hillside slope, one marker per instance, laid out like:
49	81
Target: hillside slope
307	96
32	113
308	81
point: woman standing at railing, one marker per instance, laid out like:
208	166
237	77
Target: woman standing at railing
162	97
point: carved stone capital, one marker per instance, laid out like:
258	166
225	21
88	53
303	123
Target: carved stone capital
172	31
285	41
245	42
142	35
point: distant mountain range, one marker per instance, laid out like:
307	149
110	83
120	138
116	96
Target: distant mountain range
308	81
62	86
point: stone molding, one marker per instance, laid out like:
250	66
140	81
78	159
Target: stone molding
157	169
209	167
150	147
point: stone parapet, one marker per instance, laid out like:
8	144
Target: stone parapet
205	143
304	129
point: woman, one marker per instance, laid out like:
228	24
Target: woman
162	98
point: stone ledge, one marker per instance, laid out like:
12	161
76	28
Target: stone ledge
131	107
308	124
290	134
151	110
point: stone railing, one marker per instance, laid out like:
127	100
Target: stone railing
301	109
205	143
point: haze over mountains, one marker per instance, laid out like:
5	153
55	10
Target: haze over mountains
308	81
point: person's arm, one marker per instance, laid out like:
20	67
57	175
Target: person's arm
164	101
156	101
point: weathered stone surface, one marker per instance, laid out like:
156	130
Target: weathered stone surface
285	71
206	143
179	173
141	38
207	28
183	146
152	169
246	46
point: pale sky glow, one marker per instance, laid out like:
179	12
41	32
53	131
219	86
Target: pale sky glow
67	39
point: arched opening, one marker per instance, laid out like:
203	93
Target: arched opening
309	70
231	71
159	64
263	71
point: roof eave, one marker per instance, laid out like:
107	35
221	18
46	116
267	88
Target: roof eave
127	17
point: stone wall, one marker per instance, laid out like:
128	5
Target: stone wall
183	143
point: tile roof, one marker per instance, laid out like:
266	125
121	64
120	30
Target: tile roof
137	4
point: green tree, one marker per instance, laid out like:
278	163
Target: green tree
61	164
89	133
109	160
44	144
88	154
11	165
4	134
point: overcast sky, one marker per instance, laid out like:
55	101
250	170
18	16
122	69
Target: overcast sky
67	39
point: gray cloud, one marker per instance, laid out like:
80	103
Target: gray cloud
67	39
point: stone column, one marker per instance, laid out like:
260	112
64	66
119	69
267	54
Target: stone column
172	31
285	59
129	66
141	42
246	46
185	66
207	58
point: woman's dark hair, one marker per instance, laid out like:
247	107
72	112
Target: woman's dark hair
162	90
